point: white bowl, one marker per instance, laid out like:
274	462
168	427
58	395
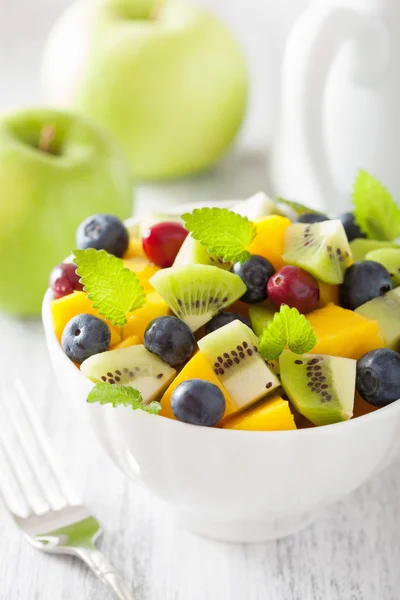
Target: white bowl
236	486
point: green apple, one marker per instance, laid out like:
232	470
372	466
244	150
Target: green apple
169	82
55	170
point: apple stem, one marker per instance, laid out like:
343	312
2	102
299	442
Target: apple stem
46	138
157	7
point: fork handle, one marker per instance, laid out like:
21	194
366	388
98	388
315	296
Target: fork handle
104	570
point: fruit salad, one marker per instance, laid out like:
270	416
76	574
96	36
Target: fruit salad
269	316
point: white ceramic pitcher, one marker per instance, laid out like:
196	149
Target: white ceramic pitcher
340	102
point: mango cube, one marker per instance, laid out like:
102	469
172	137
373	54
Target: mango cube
343	332
77	303
197	368
272	414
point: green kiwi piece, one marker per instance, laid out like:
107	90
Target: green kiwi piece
232	351
260	205
320	387
133	366
390	259
386	310
260	315
322	249
194	253
195	293
361	247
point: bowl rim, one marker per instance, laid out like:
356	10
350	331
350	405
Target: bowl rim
379	413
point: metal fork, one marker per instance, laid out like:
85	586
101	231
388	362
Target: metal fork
39	498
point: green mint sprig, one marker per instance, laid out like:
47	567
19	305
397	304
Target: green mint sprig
121	395
375	211
223	232
287	328
113	289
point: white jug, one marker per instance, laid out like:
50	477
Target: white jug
340	102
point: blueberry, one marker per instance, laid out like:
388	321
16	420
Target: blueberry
223	319
311	217
378	377
351	228
170	339
83	336
198	402
103	232
255	273
364	281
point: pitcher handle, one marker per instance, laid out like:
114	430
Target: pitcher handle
312	46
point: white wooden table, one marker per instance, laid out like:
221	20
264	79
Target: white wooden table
352	554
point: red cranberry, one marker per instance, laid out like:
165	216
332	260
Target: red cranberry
64	280
162	242
294	287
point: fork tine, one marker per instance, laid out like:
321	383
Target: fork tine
43	444
18	490
8	496
34	478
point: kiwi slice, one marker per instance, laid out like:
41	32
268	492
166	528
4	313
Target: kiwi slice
257	206
320	387
196	293
193	253
260	205
233	353
390	259
322	249
133	366
260	315
361	247
386	310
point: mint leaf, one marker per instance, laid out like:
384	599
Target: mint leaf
299	208
121	395
223	232
113	289
287	328
375	211
303	339
271	345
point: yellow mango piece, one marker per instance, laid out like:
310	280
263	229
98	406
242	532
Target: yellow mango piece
135	248
270	239
143	270
138	320
132	340
77	303
328	293
197	368
343	332
272	414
